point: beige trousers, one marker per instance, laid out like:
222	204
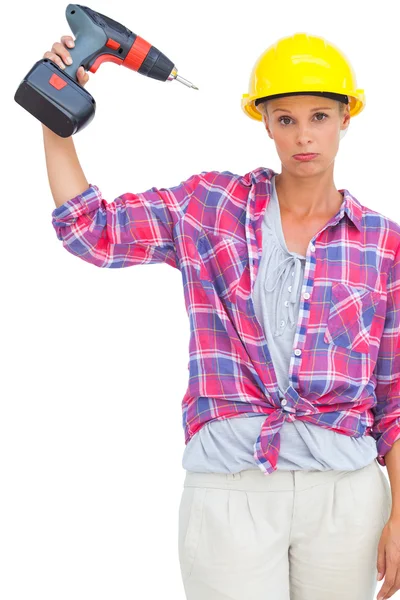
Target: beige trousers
290	535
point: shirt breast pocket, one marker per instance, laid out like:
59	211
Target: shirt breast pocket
351	312
222	262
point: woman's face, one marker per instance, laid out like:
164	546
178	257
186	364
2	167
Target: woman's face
306	124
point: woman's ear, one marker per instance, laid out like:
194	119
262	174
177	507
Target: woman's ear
346	115
346	120
265	121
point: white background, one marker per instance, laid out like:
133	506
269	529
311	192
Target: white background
95	360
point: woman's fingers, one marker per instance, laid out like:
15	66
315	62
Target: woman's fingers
68	41
60	55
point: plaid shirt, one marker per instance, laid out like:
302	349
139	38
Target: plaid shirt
345	365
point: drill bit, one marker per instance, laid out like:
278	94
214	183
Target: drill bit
186	82
174	75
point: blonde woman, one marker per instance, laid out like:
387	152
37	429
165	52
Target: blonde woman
292	288
318	526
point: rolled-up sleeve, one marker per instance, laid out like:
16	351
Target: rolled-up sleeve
133	229
386	427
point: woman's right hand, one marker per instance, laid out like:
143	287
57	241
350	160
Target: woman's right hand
59	55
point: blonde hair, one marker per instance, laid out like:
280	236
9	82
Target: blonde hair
262	107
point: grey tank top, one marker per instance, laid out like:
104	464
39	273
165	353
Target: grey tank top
226	446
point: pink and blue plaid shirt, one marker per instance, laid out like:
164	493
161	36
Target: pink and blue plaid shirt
345	365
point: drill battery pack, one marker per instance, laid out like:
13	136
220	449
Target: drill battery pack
55	98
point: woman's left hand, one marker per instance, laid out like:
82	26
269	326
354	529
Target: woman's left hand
388	563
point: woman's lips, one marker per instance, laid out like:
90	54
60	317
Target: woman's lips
304	156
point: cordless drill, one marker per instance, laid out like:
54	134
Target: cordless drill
54	96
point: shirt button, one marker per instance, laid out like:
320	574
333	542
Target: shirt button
297	352
286	302
284	402
290	288
312	247
292	273
306	295
282	323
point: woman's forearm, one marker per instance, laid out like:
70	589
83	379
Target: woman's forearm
65	174
392	460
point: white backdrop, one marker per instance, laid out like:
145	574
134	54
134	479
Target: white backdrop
95	360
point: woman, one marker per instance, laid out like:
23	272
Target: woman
310	530
294	361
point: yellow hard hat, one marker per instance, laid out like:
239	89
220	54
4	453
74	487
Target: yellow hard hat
302	64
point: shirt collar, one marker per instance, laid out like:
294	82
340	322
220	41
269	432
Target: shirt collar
352	206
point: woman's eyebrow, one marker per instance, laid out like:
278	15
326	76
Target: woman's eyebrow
311	109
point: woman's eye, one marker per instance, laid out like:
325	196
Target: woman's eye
316	114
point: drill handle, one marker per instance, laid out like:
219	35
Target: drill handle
92	31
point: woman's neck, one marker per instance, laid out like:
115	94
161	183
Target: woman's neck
307	197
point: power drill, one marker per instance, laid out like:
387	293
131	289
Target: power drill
54	96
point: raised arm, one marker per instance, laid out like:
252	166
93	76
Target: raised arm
133	229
